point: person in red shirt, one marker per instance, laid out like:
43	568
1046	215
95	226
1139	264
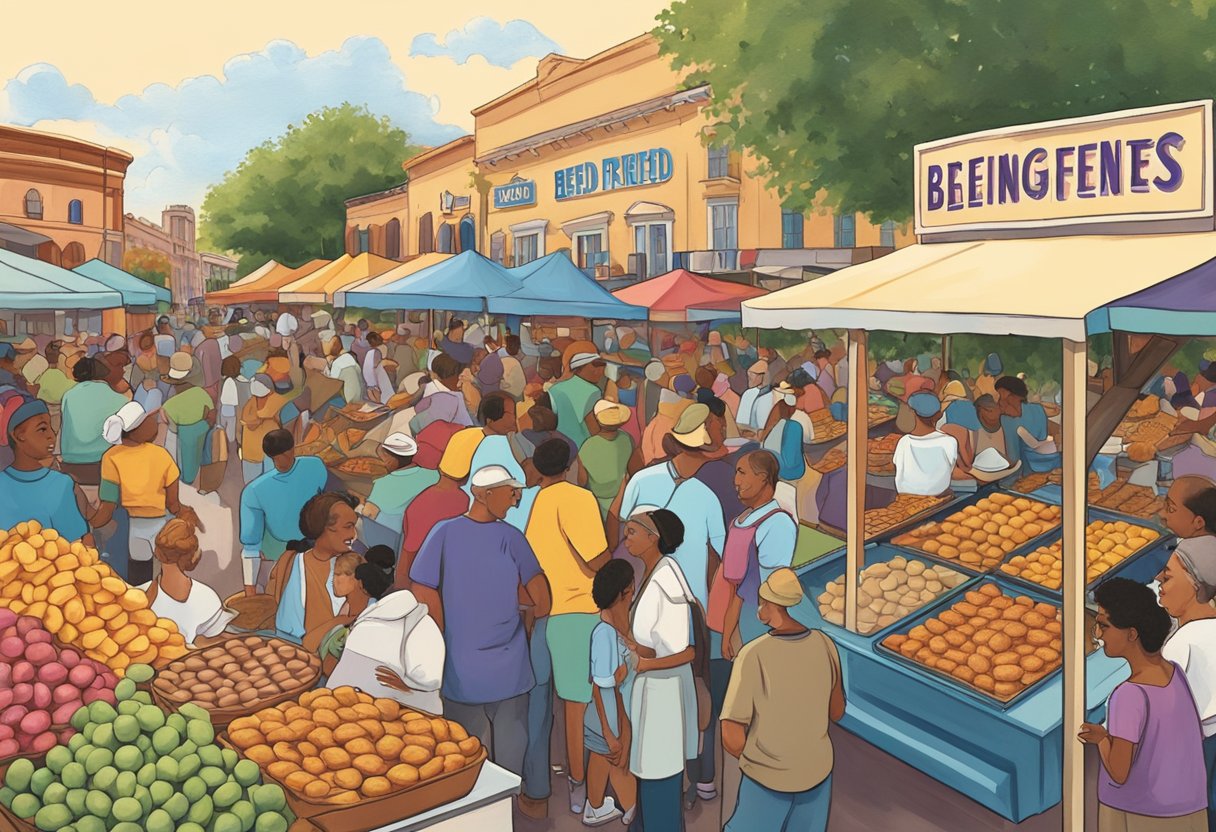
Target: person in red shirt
443	500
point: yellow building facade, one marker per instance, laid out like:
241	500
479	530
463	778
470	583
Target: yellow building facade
607	157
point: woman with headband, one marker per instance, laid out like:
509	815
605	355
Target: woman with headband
663	702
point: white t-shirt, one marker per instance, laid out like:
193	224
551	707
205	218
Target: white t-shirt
923	464
1193	648
229	394
202	613
286	325
660	615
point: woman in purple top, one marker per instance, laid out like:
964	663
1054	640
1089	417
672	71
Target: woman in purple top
1153	774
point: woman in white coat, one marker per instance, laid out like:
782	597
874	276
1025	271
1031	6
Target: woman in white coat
663	703
394	649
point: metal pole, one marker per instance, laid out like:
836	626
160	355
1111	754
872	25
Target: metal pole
1073	505
856	449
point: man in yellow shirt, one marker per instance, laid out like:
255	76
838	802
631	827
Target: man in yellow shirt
566	531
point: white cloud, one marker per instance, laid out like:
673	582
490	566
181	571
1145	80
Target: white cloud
187	136
501	44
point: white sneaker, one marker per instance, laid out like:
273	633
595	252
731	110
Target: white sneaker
605	814
578	795
627	818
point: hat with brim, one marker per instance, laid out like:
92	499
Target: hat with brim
689	429
493	476
180	364
610	414
982	475
400	444
782	588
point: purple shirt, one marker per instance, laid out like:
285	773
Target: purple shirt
478	568
1167	778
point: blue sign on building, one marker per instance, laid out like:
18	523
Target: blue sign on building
631	170
515	194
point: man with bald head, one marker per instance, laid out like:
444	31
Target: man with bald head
1190	507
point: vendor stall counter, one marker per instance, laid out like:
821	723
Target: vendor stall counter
488	806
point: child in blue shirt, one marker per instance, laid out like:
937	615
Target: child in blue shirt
606	730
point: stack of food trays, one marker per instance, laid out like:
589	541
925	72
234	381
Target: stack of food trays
994	644
889	591
978	536
1111	543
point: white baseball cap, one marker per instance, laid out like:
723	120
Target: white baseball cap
492	476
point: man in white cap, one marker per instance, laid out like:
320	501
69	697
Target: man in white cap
755	404
785	690
574	397
404	481
470	572
142	477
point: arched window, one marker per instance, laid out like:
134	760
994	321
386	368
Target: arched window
426	234
445	239
33	204
76	212
468	233
392	239
73	255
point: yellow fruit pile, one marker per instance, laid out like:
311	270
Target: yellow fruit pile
80	600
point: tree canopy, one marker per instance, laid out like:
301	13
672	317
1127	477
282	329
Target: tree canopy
831	95
285	199
146	264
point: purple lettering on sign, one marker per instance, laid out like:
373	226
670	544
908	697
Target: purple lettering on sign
1085	170
1166	146
1034	176
1110	168
936	196
1139	147
1064	170
1007	179
954	189
975	179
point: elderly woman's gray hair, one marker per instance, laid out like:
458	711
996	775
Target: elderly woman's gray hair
1198	557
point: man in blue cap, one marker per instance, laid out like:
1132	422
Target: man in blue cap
925	457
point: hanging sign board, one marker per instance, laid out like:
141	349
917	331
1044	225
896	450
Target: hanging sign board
1151	164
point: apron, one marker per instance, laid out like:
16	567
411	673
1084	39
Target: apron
740	548
289	618
663	711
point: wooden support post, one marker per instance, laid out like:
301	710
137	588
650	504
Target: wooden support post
859	431
945	353
1073	506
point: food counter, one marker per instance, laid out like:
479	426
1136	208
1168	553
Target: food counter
1003	748
488	806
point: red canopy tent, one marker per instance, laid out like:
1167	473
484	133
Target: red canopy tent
682	296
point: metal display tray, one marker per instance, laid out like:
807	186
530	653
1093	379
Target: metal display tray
944	603
1105	515
884	553
951	508
884	536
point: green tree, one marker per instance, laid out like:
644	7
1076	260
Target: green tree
285	199
832	95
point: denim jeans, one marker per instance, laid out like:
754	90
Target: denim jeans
659	807
536	773
761	809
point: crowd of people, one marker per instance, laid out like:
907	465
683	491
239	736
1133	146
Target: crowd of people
597	533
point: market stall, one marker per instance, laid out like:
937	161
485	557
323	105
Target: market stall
265	288
145	732
994	265
141	299
320	286
35	297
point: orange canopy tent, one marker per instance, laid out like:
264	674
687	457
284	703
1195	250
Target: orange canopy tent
683	296
319	286
266	288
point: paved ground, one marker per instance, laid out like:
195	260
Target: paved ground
872	792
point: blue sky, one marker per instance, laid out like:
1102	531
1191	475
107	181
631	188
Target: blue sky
190	105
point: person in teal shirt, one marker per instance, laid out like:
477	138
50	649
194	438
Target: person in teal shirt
384	511
191	412
271	505
85	409
574	397
29	488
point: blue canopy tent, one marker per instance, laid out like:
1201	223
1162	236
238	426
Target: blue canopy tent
467	282
29	284
135	292
553	285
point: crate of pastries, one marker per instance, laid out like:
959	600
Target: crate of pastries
979	536
1110	542
989	642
